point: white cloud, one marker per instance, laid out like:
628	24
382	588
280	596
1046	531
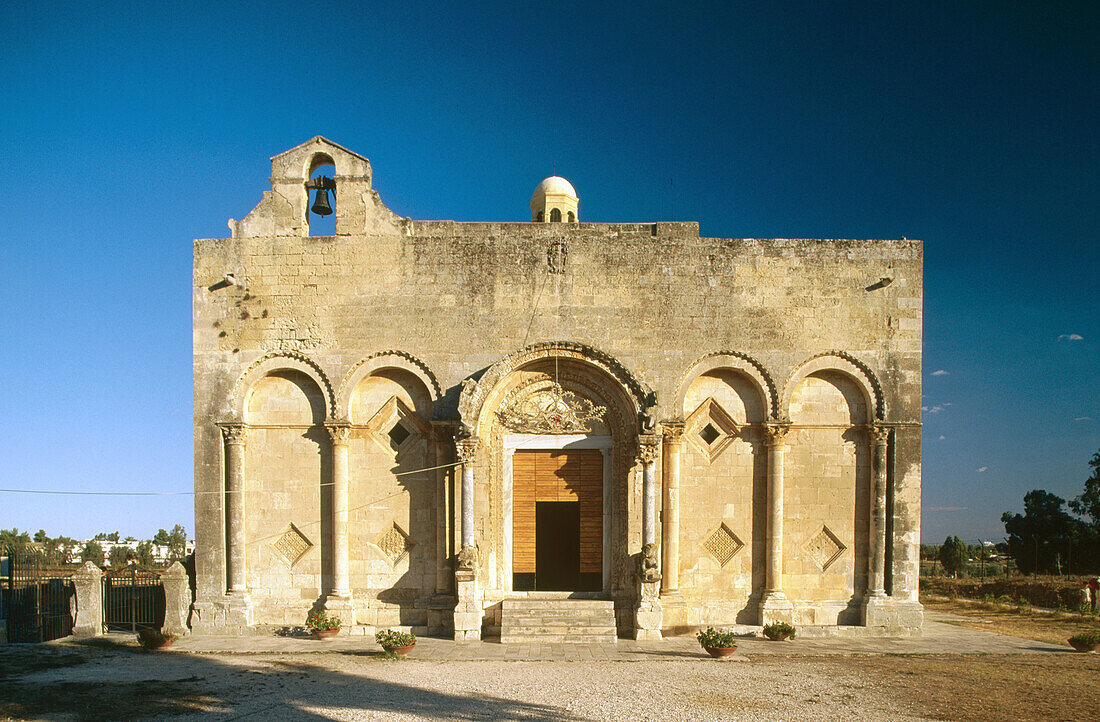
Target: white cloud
982	468
1071	337
933	410
945	508
1083	418
942	437
939	372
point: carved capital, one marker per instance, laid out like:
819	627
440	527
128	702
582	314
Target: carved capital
648	448
339	431
775	433
466	450
467	559
234	433
879	434
673	432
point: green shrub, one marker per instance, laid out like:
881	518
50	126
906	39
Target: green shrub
320	622
392	638
711	637
1086	638
778	630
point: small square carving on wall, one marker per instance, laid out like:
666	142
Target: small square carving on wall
394	543
292	545
396	427
824	548
723	544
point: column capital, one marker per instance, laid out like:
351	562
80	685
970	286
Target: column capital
466	450
673	432
879	433
648	448
339	431
234	432
775	433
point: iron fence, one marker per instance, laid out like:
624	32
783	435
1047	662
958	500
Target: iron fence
37	596
133	599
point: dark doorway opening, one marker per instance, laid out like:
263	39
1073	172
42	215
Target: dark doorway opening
557	545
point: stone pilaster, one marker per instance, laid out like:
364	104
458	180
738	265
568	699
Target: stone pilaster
648	451
670	527
648	616
177	600
774	605
88	583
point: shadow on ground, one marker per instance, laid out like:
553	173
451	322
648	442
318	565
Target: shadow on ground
110	680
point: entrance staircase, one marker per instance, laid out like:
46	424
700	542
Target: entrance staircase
536	620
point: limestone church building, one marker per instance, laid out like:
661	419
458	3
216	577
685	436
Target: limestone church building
552	429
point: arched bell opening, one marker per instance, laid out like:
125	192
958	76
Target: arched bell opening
321	200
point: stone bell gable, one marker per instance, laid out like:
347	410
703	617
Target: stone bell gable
392	421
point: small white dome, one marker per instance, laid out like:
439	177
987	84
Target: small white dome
554	185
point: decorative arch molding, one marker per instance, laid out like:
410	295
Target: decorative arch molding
276	361
846	364
736	361
474	393
380	360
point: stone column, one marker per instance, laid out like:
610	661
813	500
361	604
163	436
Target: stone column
876	603
648	616
647	453
774	606
441	440
468	611
670	539
88	583
340	432
177	600
234	435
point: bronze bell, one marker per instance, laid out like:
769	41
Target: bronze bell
321	205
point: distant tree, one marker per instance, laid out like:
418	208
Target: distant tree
177	543
144	553
13	540
953	555
105	536
62	545
161	538
1037	538
41	537
1088	503
117	556
92	552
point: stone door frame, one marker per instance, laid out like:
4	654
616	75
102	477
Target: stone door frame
555	442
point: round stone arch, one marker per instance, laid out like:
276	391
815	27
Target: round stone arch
735	361
279	361
845	364
475	398
384	359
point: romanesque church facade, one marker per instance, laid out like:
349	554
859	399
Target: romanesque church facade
429	423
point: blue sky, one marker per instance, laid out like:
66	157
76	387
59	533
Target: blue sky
129	129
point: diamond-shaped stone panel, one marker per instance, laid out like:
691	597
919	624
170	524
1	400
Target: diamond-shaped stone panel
394	543
292	545
710	429
723	544
824	548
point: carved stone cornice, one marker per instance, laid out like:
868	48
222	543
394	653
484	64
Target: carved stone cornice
879	434
775	433
648	448
234	433
466	450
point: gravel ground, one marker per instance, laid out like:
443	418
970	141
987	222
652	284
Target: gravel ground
129	685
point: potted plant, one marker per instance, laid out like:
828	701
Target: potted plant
322	626
717	644
155	639
394	642
778	631
1085	642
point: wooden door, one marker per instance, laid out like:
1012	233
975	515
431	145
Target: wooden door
557	476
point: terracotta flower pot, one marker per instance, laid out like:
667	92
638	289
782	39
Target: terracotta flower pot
325	634
720	652
1084	646
777	636
399	651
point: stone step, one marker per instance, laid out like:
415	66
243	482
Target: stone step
575	604
560	629
557	639
558	621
